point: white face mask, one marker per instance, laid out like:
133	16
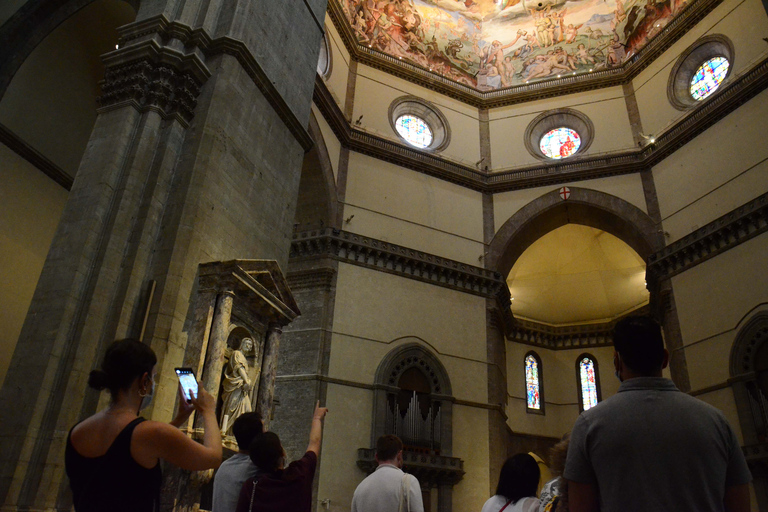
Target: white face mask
147	399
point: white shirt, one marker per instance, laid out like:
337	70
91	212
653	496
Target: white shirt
381	491
496	503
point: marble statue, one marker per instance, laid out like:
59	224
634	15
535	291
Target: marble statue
236	387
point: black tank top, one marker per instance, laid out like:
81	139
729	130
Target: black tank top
114	482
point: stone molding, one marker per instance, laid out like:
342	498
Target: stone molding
720	235
153	77
431	470
566	337
577	168
396	259
309	279
670	34
34	157
199	45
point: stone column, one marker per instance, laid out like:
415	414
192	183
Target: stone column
217	346
195	156
268	373
444	497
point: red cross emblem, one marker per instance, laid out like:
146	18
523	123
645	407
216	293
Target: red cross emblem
565	193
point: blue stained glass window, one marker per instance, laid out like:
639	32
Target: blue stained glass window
560	143
532	383
708	77
414	130
588	384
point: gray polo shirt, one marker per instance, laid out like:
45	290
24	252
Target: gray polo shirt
651	447
228	481
381	491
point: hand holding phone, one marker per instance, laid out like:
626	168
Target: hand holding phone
188	382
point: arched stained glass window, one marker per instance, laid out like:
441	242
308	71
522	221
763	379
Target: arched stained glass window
414	130
708	77
533	382
589	383
560	143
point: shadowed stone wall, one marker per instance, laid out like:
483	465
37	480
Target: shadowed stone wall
195	156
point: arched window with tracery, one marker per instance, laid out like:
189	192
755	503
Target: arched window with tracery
588	381
534	391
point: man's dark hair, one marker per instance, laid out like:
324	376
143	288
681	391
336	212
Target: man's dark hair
387	447
245	428
519	477
266	451
638	341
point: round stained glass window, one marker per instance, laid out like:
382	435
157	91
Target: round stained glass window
414	130
560	143
708	77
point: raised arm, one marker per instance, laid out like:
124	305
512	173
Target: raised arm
165	441
316	432
736	498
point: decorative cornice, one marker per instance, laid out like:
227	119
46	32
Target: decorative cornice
672	32
34	157
396	259
565	337
577	168
153	77
431	470
197	42
727	232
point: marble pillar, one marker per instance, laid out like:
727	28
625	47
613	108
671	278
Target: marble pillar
217	345
266	396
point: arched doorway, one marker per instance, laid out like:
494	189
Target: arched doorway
749	382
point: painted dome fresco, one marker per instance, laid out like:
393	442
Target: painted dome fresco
493	44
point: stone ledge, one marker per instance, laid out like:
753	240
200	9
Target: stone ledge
720	235
395	259
35	158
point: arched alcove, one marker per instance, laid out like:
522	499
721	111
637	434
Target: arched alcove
48	99
749	382
583	206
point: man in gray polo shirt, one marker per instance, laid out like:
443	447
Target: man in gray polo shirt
238	468
384	489
651	447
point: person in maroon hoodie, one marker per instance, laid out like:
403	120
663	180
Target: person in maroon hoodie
277	488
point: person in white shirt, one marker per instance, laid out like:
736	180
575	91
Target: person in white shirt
234	471
516	490
387	487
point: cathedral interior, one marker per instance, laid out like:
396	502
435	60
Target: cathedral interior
426	214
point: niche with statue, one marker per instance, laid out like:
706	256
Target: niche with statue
239	378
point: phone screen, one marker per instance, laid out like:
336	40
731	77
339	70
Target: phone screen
188	381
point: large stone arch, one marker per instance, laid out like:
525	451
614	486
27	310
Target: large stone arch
318	203
584	206
33	22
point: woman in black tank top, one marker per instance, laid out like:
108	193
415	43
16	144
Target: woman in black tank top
112	457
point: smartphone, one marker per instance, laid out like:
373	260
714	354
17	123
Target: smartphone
188	381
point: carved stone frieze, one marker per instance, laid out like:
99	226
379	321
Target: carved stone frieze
577	168
151	85
725	233
396	259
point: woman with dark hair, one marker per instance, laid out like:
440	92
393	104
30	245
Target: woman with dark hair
112	458
518	482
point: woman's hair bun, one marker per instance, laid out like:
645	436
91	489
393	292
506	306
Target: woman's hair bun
98	379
